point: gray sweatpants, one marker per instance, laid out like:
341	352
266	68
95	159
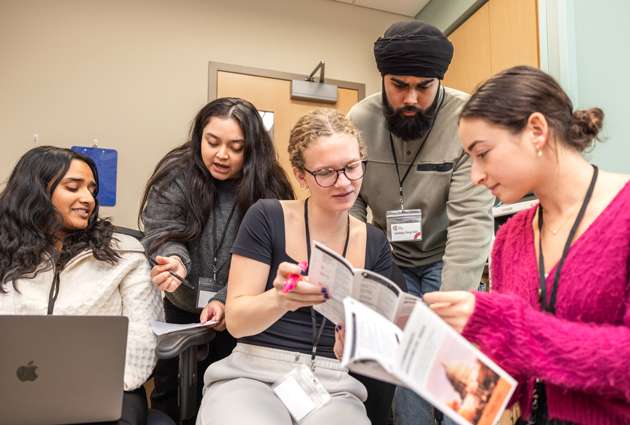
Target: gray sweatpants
238	390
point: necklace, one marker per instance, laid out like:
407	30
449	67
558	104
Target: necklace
325	242
554	232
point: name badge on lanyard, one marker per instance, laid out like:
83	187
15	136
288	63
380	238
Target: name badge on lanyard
404	226
301	393
206	289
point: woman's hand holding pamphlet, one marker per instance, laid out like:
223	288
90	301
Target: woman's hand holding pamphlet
336	274
392	337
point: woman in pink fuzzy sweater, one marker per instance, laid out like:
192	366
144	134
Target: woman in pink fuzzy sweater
523	135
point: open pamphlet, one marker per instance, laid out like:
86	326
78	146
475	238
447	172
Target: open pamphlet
429	357
336	274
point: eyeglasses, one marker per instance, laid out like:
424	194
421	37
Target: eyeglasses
327	177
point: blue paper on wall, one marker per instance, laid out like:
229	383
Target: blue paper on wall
107	166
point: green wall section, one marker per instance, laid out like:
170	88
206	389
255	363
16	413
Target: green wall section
602	37
447	15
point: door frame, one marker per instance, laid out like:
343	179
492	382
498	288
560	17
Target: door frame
215	67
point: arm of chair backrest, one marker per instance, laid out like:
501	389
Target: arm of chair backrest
131	232
173	344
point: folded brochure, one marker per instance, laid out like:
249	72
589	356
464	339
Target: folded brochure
429	357
336	274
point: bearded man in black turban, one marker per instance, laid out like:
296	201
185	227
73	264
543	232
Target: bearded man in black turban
413	55
416	162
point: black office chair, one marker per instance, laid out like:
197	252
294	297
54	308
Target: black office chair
155	417
191	346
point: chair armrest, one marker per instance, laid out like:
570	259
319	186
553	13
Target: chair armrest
173	344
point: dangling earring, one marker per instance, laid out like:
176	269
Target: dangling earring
539	150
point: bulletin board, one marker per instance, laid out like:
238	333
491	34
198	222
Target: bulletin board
106	161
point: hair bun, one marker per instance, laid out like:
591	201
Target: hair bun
585	126
590	121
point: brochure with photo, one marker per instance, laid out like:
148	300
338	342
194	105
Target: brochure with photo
430	358
336	274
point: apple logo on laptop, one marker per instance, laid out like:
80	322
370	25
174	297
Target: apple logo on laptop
27	373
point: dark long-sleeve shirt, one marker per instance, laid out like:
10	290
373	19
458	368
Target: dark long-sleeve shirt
160	218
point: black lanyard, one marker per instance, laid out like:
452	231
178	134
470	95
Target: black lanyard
316	334
539	396
214	237
54	292
391	141
541	259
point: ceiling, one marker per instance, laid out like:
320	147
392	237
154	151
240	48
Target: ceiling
401	7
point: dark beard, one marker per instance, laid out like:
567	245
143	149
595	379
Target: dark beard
408	128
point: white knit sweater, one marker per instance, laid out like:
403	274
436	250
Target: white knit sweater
91	287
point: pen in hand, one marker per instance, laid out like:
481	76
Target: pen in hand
175	275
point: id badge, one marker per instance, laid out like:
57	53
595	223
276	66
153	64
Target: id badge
404	226
301	393
206	289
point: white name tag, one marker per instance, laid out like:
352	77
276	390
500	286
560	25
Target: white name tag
204	298
301	393
295	399
206	289
406	232
404	226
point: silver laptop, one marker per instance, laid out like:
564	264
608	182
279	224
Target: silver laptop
61	369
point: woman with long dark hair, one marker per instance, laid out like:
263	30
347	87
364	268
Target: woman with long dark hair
279	331
191	210
557	318
58	257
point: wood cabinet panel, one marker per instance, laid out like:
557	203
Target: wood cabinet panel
501	34
471	62
513	33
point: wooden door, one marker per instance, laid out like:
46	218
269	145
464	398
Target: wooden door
274	95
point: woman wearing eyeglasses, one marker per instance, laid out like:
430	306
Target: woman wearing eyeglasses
275	330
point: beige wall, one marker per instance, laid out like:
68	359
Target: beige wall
133	73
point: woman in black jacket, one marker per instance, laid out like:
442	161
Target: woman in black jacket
191	210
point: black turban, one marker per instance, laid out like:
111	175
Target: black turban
413	48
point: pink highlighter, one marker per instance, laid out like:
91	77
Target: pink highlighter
292	280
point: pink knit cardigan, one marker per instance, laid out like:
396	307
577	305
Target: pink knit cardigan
583	352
